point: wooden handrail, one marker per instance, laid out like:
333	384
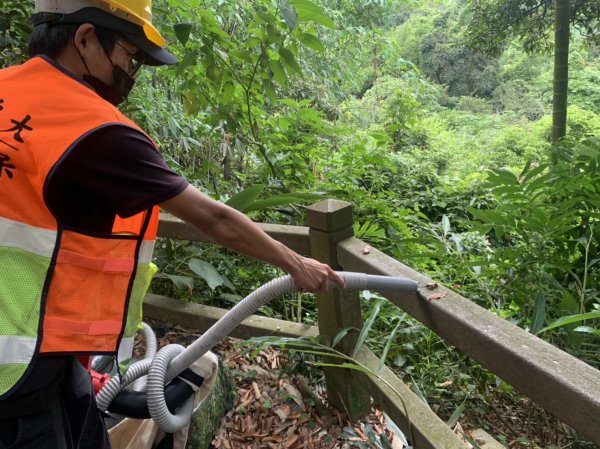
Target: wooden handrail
560	383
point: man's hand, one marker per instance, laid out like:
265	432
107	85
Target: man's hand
313	276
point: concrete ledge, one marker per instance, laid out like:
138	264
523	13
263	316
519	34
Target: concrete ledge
295	237
560	383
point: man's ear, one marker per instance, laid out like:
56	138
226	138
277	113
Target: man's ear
83	36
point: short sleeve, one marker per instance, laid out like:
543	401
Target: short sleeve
112	170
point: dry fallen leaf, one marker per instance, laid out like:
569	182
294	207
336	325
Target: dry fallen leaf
437	296
366	250
431	285
256	390
295	395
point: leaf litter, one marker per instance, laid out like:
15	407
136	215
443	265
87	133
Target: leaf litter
278	410
274	410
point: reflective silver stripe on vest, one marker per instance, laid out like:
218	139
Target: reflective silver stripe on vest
146	250
19	235
15	349
125	349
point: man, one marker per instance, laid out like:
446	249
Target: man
79	186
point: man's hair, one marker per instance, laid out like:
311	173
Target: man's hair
49	38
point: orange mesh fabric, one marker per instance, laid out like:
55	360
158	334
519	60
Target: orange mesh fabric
86	302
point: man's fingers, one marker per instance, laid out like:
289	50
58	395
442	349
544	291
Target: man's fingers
337	279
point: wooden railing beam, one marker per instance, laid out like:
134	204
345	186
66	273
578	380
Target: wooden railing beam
560	383
295	237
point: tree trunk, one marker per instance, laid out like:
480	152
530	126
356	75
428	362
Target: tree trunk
206	418
561	69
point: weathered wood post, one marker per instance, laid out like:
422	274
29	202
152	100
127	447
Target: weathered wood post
330	222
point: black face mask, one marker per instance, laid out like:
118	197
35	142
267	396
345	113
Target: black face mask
116	93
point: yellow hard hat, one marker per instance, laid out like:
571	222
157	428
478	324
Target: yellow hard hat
133	18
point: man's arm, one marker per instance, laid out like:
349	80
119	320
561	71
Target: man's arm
232	229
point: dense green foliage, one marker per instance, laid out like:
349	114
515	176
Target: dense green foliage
443	151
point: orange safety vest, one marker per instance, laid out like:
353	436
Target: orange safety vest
61	290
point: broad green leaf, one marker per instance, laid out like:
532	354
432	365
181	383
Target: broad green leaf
278	72
215	74
290	16
181	282
308	11
189	59
227	92
242	200
209	273
502	176
211	25
539	312
488	216
311	41
182	31
269	89
563	321
290	60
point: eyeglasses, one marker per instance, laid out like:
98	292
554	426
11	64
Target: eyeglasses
134	63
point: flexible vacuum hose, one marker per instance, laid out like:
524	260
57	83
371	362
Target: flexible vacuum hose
171	360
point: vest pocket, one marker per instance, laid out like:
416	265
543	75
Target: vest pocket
88	294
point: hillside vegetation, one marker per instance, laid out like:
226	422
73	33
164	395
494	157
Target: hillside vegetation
443	146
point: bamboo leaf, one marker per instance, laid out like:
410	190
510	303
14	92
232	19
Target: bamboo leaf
563	321
243	199
539	312
346	366
587	330
445	225
388	345
457	413
280	200
395	430
367	326
341	334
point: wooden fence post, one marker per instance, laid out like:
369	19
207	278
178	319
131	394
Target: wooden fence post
330	222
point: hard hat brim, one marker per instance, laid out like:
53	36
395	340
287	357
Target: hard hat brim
148	52
151	53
